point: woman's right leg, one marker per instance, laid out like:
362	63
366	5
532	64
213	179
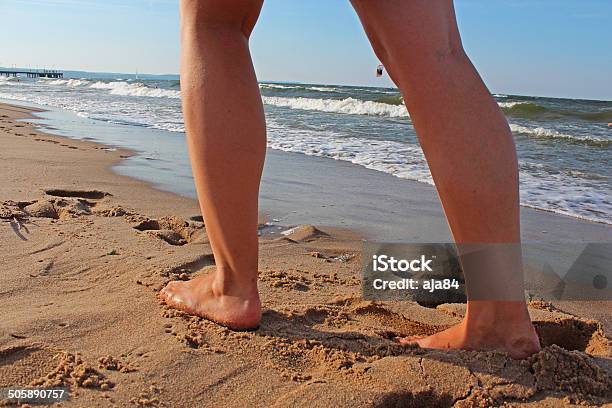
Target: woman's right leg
226	135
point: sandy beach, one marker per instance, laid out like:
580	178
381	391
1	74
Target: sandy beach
84	252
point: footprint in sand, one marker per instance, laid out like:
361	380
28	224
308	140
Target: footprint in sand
87	194
66	204
173	230
63	204
58	208
10	210
47	140
572	333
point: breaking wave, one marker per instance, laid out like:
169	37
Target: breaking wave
543	133
395	158
349	106
136	89
530	110
69	82
278	86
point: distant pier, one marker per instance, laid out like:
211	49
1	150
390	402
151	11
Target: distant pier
37	73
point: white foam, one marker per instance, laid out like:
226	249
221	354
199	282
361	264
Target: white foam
322	89
136	89
553	134
9	80
74	83
538	131
278	86
510	104
540	187
563	192
398	159
348	106
178	127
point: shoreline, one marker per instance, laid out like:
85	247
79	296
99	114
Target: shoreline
336	187
85	250
112	157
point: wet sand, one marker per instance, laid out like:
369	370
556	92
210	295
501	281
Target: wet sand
84	252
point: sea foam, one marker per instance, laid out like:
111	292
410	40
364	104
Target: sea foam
395	158
348	106
543	133
74	83
136	89
278	86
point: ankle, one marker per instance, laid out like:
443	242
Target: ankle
228	283
498	316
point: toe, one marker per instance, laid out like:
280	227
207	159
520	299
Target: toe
168	293
165	291
175	295
408	340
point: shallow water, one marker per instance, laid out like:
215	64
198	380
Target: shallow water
564	145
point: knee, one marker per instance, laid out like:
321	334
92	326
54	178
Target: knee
422	59
419	50
220	14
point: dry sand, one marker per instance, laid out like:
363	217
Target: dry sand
84	251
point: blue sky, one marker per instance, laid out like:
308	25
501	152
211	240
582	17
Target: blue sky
529	47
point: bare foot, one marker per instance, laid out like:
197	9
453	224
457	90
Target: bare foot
518	338
237	309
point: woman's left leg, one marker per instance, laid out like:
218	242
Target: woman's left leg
471	154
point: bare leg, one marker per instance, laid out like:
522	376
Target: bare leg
472	158
226	135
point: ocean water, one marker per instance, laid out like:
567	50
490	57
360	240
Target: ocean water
564	145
